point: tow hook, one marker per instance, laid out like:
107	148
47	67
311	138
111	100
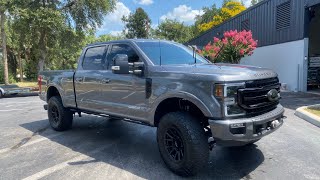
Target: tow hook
275	124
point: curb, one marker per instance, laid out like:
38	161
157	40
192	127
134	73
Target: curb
305	115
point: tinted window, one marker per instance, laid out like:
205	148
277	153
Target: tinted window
170	53
122	49
93	59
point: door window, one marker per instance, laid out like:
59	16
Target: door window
122	49
94	58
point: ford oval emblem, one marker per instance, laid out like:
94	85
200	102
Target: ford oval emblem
273	95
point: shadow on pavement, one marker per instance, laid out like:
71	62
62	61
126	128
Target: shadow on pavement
294	100
133	148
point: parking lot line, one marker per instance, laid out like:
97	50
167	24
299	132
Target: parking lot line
8	110
64	164
55	168
5	150
7	103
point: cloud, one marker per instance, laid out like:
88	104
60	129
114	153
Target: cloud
113	22
182	13
247	3
144	2
120	11
115	33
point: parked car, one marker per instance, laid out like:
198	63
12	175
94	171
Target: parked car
194	104
12	90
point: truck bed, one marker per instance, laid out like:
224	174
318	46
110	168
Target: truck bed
59	78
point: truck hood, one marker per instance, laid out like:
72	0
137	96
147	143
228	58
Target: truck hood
223	72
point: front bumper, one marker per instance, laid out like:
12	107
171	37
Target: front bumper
246	130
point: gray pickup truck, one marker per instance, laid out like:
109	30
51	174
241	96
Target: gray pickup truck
193	103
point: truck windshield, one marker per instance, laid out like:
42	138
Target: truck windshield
171	53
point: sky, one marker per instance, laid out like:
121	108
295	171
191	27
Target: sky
158	10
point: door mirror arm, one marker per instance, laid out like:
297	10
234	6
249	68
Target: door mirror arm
136	68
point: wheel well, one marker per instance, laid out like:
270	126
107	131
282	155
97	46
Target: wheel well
178	104
52	91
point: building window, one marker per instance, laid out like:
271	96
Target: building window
283	15
245	25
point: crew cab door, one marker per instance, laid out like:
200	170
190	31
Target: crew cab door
124	94
88	77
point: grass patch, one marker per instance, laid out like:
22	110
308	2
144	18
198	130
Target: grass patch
27	84
315	111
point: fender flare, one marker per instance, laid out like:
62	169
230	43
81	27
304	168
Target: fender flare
59	91
183	95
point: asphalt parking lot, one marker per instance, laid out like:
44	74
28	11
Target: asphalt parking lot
98	148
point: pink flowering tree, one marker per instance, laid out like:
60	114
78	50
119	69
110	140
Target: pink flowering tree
231	48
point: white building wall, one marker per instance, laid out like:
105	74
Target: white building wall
287	59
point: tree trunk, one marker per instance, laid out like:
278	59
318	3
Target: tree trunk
20	66
4	48
43	50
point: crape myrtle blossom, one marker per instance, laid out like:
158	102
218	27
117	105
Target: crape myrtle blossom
231	48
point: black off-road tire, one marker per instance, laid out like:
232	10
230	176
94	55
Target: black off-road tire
190	140
60	118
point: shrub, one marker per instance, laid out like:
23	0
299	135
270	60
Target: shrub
231	48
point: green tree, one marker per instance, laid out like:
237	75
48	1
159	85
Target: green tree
4	5
108	37
137	24
229	9
174	30
51	18
208	15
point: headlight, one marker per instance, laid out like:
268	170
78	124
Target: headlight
226	94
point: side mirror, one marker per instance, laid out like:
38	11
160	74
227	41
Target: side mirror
136	68
120	64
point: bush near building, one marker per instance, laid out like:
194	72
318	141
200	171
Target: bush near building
231	48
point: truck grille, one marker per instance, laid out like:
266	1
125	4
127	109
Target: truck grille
254	98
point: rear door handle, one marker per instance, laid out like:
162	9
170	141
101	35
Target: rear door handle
79	79
105	80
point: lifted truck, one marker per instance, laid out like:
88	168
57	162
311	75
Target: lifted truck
193	103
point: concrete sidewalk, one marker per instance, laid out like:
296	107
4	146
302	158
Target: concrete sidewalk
311	118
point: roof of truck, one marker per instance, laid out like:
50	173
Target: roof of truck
128	40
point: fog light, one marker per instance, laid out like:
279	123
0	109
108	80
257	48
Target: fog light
238	128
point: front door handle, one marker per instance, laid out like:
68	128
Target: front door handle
79	79
105	80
